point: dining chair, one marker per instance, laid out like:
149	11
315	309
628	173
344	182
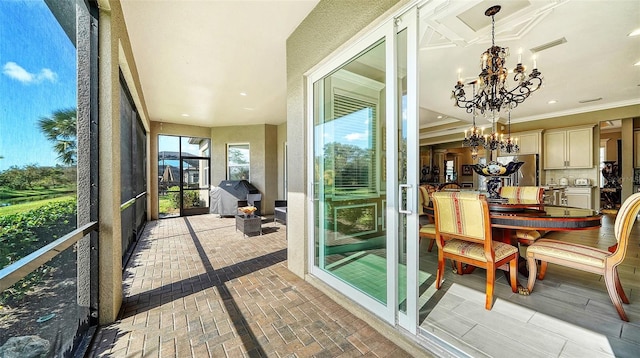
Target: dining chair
590	259
448	186
463	234
533	194
428	229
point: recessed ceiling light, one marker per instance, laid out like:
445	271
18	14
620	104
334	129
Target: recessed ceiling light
552	101
635	32
185	114
243	93
439	117
248	109
637	63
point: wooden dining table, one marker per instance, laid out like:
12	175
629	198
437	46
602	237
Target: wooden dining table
513	214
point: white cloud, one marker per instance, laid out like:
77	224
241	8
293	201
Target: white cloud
47	74
15	71
356	136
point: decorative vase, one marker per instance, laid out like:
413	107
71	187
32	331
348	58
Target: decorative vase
494	171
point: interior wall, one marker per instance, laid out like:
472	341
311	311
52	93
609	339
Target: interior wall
612	144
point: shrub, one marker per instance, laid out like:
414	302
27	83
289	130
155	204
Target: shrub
26	232
190	198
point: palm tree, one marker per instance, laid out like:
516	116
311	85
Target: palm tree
60	129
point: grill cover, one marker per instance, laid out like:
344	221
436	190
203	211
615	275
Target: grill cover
224	197
238	188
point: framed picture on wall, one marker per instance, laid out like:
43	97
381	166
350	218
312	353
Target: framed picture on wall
466	169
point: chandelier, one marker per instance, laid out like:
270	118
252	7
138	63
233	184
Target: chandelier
493	90
474	138
509	145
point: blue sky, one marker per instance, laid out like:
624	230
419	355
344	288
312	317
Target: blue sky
37	77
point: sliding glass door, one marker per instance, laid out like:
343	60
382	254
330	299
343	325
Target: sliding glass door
362	187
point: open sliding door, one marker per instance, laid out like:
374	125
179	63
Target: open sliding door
363	178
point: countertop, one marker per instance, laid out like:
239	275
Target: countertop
557	187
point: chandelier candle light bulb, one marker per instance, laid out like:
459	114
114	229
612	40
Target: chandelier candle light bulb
495	94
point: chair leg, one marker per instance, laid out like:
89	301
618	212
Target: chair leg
491	278
610	282
433	241
533	270
440	273
619	286
543	270
513	274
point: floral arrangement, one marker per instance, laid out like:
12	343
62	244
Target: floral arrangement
247	210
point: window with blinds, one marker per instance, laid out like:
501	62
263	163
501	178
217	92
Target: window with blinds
353	154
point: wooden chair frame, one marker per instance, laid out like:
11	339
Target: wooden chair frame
627	216
443	238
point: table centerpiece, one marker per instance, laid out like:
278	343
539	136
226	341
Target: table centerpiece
494	172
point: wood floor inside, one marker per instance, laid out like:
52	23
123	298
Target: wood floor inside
569	313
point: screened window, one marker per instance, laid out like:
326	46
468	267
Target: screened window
238	162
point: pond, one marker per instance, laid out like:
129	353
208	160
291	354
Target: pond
4	201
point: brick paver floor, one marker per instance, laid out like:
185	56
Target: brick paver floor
195	287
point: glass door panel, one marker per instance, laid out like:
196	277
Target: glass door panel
194	175
407	153
183	167
169	176
349	173
401	42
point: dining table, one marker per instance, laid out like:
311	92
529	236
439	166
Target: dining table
507	215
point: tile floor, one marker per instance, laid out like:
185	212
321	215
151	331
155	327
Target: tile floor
569	313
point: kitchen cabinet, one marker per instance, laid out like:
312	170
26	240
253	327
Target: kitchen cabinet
579	197
568	148
529	142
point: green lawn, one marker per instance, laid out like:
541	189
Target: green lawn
18	208
11	193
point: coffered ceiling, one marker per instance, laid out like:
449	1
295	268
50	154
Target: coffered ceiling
216	63
582	49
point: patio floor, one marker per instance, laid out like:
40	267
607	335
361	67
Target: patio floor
195	287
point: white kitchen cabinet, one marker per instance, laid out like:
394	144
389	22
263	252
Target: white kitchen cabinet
529	142
579	197
568	148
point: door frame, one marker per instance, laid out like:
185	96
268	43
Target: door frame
386	30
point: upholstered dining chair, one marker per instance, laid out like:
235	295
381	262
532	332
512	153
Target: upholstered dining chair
449	186
590	259
532	194
463	234
427	228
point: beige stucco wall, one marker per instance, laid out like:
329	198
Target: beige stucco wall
114	54
262	139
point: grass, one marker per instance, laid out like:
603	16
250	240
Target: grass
31	205
165	205
11	193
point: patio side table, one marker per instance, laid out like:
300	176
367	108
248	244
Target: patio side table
249	224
